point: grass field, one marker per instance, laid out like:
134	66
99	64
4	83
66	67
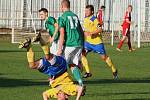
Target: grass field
18	82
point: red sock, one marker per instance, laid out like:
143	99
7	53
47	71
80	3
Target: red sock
120	44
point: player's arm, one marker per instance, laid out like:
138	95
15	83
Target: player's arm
52	21
62	35
55	32
49	41
61	40
99	30
127	20
98	27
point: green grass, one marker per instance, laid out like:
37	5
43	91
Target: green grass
18	82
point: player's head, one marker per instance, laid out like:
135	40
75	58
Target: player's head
43	12
65	5
102	7
89	10
130	8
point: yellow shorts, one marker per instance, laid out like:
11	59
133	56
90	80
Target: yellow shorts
62	84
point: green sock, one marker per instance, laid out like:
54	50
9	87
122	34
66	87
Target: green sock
77	75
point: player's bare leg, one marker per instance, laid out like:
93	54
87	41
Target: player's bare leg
80	91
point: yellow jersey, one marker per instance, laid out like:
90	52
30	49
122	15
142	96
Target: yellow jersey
91	24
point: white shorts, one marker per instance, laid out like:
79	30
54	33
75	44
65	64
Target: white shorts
72	54
54	47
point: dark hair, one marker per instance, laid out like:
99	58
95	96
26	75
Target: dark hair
44	10
66	2
130	6
91	7
102	7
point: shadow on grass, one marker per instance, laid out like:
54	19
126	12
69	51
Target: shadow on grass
135	99
22	50
109	81
6	82
122	93
6	51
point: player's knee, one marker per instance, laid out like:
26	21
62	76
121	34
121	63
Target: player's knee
34	65
47	56
104	57
123	38
72	66
31	65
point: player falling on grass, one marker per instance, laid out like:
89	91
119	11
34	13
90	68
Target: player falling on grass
71	39
93	41
126	30
52	27
55	67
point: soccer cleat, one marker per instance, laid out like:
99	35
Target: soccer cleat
25	44
115	74
130	50
86	75
37	37
118	49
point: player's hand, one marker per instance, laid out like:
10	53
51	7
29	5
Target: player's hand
51	39
59	52
94	36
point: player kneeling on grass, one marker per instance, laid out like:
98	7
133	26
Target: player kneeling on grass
56	68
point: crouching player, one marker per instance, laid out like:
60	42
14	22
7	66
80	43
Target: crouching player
56	68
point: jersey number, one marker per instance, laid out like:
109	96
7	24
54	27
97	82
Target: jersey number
73	21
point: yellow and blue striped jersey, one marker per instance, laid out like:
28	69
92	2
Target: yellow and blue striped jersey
91	24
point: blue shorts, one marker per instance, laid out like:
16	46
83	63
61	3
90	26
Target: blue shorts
98	48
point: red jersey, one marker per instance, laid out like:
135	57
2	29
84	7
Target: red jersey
127	17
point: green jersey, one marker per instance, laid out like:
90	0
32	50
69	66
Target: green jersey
49	25
73	31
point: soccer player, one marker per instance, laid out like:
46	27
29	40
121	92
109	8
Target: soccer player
71	39
56	68
100	15
93	41
126	30
52	27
